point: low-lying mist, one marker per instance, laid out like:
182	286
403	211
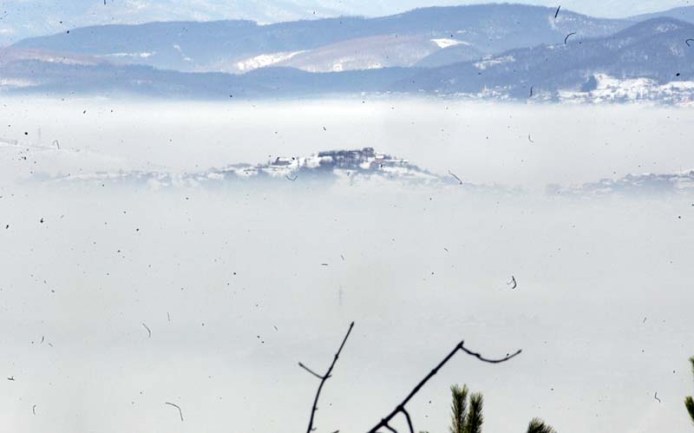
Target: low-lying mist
116	299
511	144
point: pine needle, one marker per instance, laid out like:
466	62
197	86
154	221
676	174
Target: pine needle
539	426
475	419
689	403
458	408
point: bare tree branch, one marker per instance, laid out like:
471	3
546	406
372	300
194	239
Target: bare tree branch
487	360
409	420
400	409
324	378
391	429
310	371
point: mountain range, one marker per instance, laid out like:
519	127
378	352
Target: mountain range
21	19
481	51
325	45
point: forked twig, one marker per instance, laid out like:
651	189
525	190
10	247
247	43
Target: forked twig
400	408
391	429
310	371
323	379
409	420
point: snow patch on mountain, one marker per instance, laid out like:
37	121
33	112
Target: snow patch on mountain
611	89
183	55
141	55
350	166
493	61
445	42
632	185
264	60
16	83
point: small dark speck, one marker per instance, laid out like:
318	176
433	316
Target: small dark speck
566	39
149	331
41	220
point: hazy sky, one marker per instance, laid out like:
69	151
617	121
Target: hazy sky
22	18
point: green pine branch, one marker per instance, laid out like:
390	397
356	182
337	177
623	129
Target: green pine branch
466	414
689	404
538	426
458	408
689	401
474	420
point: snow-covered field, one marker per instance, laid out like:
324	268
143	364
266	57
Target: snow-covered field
237	284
